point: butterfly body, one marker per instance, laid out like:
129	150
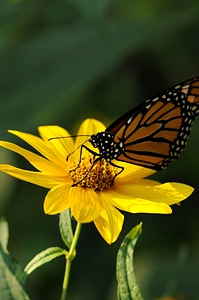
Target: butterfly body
106	145
154	133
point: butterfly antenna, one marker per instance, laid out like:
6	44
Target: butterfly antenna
65	137
71	136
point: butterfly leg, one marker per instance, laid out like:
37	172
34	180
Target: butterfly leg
80	159
119	167
92	164
80	156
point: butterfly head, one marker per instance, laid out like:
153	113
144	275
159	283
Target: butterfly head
104	141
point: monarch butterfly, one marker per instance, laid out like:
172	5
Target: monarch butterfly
152	134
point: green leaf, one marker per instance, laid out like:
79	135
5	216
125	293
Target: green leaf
127	285
11	274
66	228
4	234
43	258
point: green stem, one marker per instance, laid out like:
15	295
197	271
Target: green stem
71	255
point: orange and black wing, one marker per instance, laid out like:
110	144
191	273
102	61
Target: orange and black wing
154	133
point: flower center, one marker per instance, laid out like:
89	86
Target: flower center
98	178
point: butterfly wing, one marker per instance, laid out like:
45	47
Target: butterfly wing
154	133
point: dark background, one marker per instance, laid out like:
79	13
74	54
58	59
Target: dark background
63	61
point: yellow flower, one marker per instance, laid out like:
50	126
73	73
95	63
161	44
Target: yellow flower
95	198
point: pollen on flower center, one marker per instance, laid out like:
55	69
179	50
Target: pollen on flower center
98	178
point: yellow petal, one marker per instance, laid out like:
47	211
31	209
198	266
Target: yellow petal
137	205
35	142
37	178
169	193
57	199
88	127
46	148
37	161
132	172
85	204
110	222
175	192
63	143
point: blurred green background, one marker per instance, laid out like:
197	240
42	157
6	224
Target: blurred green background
63	61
